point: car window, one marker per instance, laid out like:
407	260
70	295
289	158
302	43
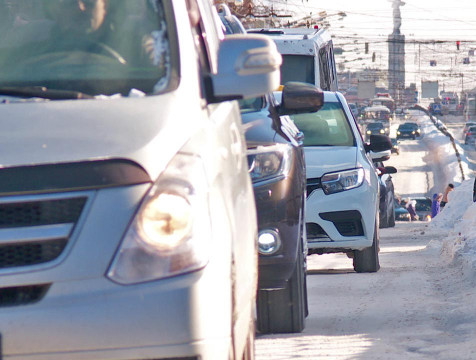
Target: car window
423	205
251	105
58	46
327	127
297	68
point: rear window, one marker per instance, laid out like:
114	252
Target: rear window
297	68
327	127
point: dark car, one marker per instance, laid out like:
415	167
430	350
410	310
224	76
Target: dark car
375	128
470	135
278	173
408	130
277	169
423	208
387	195
402	214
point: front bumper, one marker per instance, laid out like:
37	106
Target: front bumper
279	206
350	209
97	319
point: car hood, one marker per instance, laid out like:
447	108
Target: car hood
325	159
54	132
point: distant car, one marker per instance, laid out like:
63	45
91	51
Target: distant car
408	130
395	147
470	135
375	128
423	208
466	127
401	214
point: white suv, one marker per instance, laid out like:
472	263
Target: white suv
128	223
342	184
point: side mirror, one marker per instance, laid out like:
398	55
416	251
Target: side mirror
298	98
248	66
380	155
379	143
388	170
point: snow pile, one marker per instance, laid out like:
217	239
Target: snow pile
458	218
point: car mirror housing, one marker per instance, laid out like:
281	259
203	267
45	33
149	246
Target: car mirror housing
298	98
380	155
248	66
379	143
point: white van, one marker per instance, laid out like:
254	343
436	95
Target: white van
308	56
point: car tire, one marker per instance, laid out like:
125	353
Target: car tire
284	311
367	260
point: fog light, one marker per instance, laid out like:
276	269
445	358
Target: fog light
268	242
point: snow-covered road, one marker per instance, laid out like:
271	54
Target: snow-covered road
420	305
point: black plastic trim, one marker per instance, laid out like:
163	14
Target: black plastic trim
341	215
75	176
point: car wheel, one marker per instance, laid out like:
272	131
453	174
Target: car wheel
284	311
367	260
391	220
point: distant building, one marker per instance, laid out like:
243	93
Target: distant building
396	65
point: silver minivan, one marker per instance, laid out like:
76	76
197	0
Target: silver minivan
127	218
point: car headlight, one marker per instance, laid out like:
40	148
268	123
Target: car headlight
382	131
369	132
413	132
343	180
398	132
170	233
269	162
386	129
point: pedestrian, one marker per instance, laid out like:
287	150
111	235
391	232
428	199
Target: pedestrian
448	189
410	205
435	204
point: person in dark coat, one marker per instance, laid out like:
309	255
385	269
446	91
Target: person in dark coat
435	204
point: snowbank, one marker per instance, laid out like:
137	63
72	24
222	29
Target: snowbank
458	218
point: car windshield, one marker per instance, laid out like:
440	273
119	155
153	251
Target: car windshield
327	127
95	47
374	126
297	68
406	127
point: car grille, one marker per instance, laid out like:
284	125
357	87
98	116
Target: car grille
35	232
22	295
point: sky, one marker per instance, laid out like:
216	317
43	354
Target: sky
431	29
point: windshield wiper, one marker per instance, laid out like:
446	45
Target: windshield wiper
44	93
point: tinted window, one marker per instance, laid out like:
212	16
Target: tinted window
327	127
251	105
97	47
297	68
